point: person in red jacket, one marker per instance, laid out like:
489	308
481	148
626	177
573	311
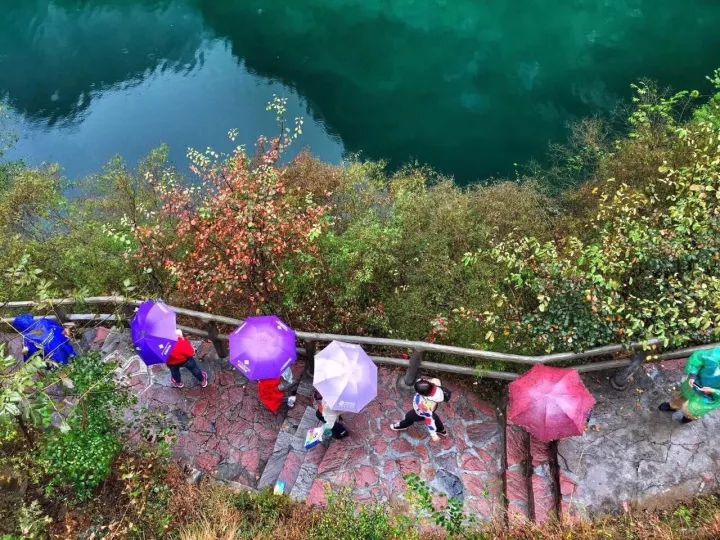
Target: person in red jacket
182	355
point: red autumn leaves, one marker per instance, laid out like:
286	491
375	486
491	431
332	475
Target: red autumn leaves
227	241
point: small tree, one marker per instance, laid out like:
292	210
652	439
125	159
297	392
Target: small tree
227	240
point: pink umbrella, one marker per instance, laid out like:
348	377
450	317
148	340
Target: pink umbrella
345	376
551	403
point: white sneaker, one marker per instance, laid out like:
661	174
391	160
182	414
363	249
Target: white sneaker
291	401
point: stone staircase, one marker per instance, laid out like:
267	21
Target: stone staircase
224	432
290	463
530	478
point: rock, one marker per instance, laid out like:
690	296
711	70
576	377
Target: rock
449	484
229	471
117	340
86	339
194	477
182	419
481	433
13	345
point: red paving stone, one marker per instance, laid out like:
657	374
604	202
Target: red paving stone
540	452
226	430
543	498
515	442
516	486
317	495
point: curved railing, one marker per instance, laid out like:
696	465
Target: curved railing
636	352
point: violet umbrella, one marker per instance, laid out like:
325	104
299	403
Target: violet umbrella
345	376
551	403
153	332
262	347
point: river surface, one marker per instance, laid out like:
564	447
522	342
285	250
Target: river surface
470	87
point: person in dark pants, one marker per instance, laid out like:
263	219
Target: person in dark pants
182	355
428	393
331	419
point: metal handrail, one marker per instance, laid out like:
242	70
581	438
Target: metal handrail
418	347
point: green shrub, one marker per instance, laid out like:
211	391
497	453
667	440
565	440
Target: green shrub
80	457
649	269
450	518
344	519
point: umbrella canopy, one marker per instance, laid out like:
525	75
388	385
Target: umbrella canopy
262	347
153	332
44	336
551	403
345	376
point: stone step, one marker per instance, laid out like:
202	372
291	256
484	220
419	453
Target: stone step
544	490
517	484
530	489
543	494
309	468
282	446
305	388
295	458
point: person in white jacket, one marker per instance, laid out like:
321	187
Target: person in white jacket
428	393
330	418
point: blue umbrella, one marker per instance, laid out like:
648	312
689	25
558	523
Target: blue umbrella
44	336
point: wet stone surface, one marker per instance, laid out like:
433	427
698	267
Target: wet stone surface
224	431
633	454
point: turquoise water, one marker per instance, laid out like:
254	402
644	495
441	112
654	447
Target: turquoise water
467	86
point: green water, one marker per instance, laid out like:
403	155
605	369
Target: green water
467	86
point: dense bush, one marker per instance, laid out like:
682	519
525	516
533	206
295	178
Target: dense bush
627	251
649	267
79	457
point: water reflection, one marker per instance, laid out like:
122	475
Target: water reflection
54	56
469	87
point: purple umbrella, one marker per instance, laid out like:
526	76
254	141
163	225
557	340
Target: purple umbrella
262	347
153	332
345	376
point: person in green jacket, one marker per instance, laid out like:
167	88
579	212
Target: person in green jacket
699	394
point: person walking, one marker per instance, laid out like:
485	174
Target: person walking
331	419
428	393
183	355
699	393
271	392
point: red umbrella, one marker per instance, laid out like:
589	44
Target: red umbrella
551	403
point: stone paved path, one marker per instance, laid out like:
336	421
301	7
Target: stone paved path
224	431
634	454
374	458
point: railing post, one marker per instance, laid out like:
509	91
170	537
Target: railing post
413	369
61	315
310	349
219	344
621	379
127	311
